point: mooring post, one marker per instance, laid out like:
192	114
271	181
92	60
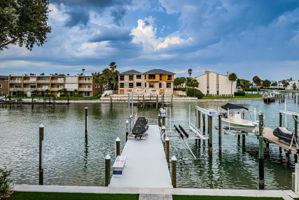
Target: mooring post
198	119
143	101
117	146
41	170
173	171
167	149
107	169
162	100
261	152
204	124
157	102
127	130
243	140
280	119
210	133
220	132
86	114
110	99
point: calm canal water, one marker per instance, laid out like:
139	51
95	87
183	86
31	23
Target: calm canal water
69	161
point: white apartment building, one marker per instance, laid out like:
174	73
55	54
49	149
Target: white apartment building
291	85
212	83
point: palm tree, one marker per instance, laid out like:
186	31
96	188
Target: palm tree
190	72
83	70
113	66
232	77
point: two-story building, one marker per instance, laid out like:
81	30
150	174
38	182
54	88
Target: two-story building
54	85
152	82
212	83
3	85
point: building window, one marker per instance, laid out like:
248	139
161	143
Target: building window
169	77
138	76
0	85
121	85
131	77
145	85
151	85
160	85
160	77
138	84
168	85
121	78
131	85
151	76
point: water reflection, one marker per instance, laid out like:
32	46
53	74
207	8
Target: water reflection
72	159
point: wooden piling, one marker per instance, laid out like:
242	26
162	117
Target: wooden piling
107	169
143	101
243	140
171	104
280	119
40	165
173	171
210	133
220	132
117	146
157	102
167	149
296	135
127	130
198	119
261	153
86	114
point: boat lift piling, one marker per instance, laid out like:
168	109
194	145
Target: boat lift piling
261	152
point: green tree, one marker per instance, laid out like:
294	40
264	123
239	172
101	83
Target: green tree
108	78
257	81
5	183
190	72
274	84
232	77
113	66
266	83
285	83
191	82
294	86
179	80
23	22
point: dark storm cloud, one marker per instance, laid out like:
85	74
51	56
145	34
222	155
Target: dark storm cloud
79	9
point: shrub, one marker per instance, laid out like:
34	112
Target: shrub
240	93
193	92
180	89
5	183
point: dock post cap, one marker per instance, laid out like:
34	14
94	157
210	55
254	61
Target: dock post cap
41	126
163	127
108	157
117	139
167	139
127	121
297	165
173	158
86	108
261	113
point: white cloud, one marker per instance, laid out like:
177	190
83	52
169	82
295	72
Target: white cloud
57	14
145	34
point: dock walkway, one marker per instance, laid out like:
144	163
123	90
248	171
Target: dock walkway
146	165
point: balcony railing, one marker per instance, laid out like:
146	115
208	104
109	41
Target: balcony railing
85	89
16	89
15	81
85	81
43	81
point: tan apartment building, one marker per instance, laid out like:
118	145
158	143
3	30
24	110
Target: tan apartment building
54	85
3	85
152	82
212	83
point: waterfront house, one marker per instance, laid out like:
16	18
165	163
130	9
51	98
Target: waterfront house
54	85
212	83
3	85
152	82
294	84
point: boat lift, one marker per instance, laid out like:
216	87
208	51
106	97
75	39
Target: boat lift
176	130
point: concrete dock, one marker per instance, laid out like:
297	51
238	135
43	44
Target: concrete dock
146	165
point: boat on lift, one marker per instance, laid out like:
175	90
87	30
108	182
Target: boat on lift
233	116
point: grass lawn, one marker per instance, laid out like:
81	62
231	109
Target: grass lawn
72	196
187	197
235	97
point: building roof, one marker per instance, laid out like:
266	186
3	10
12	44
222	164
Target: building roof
132	71
158	71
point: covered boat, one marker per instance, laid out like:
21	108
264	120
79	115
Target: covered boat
285	135
140	127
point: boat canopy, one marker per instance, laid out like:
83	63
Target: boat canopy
230	106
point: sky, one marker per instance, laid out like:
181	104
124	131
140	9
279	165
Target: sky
247	37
